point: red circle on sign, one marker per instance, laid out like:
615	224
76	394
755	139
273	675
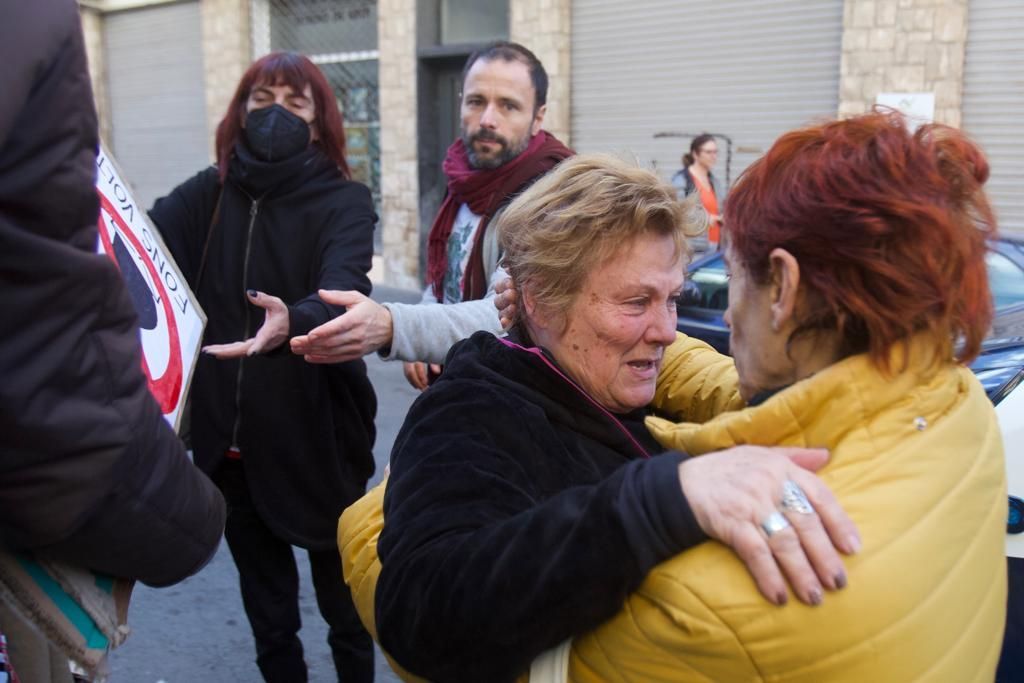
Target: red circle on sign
167	386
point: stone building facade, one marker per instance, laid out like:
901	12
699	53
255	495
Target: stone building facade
900	46
907	46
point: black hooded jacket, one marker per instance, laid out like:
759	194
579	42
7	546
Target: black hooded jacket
518	513
305	431
90	472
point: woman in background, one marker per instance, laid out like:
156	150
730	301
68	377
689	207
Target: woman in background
695	177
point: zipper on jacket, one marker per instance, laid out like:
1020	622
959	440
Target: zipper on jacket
253	209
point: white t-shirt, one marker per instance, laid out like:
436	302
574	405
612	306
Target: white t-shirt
460	244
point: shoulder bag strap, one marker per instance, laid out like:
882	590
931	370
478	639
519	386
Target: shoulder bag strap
209	234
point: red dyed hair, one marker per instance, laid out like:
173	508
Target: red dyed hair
295	71
889	228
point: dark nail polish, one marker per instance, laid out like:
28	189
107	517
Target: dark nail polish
781	599
814	597
840	580
251	292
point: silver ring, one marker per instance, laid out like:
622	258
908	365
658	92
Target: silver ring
774	523
794	499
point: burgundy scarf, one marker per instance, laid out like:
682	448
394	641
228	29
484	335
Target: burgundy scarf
484	190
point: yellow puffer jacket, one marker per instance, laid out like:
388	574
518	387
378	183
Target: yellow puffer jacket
917	462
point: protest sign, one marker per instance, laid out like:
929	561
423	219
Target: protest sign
170	320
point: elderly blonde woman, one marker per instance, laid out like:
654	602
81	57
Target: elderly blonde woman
526	499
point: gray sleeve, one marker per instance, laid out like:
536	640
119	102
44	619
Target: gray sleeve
425	332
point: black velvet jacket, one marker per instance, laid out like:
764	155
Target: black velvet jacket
305	431
518	513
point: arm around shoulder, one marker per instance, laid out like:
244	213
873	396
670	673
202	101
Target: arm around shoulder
696	382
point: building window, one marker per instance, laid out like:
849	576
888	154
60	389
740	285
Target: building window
473	21
340	36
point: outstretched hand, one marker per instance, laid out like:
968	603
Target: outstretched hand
272	333
733	492
365	327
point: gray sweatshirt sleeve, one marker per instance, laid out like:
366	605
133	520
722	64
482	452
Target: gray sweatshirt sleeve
424	332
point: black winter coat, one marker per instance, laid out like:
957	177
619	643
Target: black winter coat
518	513
90	472
305	431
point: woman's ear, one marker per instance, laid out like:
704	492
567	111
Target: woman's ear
536	318
531	311
785	287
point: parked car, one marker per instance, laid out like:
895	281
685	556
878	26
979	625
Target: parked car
706	294
1000	367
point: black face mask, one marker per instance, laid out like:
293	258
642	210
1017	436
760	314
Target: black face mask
274	133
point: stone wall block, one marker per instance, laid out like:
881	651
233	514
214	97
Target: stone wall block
905	19
917	53
870	87
900	48
906	78
863	15
882	39
924	19
227	54
855	39
885	12
951	23
936	62
544	26
851	87
398	142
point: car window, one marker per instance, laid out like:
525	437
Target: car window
1006	279
712	284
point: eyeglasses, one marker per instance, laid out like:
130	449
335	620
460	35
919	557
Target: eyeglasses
709	151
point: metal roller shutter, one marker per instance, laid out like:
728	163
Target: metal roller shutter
749	69
993	105
157	101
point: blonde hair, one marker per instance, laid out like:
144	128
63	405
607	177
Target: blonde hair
578	216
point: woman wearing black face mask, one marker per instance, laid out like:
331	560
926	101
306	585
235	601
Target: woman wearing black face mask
289	443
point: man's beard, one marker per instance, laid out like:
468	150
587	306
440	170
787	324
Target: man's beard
509	150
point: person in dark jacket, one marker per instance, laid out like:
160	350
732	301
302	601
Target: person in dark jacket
92	474
289	443
527	499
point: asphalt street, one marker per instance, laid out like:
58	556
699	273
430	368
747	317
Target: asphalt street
197	630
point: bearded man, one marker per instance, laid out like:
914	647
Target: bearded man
501	151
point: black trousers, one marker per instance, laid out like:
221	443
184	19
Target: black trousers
269	580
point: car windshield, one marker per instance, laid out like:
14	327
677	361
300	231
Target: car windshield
1006	280
713	284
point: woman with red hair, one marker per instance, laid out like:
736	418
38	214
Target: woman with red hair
288	443
857	294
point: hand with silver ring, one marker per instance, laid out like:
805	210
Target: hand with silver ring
794	499
774	523
775	514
